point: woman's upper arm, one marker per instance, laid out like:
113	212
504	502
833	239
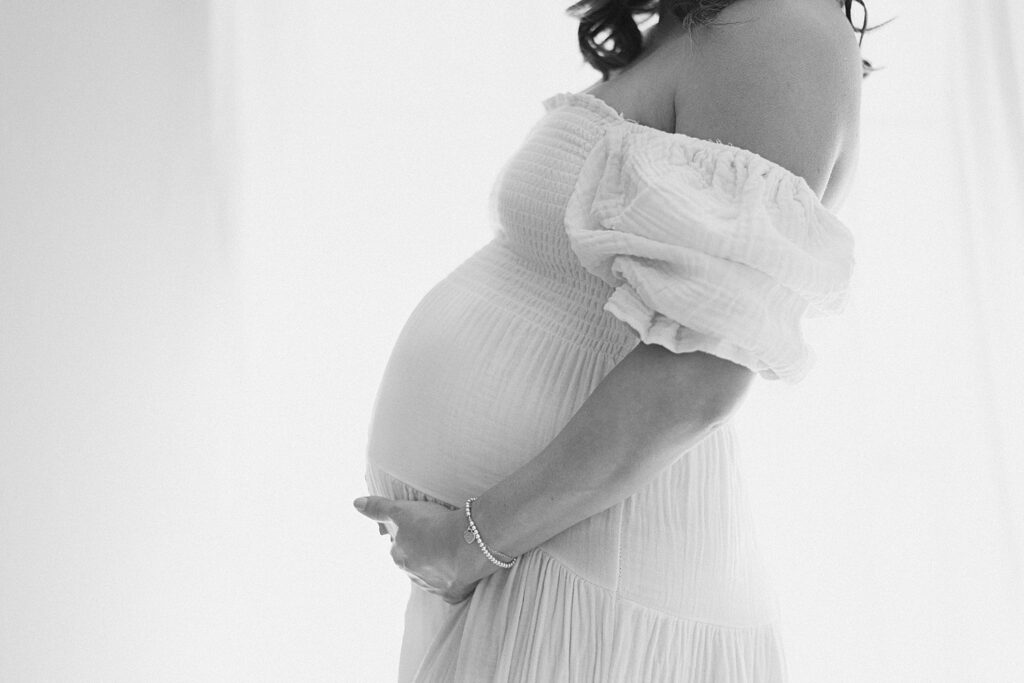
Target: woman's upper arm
777	77
711	387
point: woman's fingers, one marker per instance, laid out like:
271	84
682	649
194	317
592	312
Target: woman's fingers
422	547
397	556
375	507
426	587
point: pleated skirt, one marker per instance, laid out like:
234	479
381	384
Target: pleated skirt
666	586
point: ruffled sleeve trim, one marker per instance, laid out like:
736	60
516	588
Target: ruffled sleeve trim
709	247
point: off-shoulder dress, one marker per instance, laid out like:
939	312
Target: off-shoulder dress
606	233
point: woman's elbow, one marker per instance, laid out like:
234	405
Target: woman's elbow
717	387
730	384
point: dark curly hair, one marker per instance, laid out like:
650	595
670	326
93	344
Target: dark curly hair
610	38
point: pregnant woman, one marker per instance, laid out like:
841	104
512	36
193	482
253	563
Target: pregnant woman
551	449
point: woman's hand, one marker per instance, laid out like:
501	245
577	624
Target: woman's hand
427	544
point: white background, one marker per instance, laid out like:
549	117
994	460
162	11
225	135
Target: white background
216	216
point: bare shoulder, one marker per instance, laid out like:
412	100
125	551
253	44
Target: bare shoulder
778	77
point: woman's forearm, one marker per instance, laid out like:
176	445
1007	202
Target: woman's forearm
653	406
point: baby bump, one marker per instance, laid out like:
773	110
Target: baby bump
487	370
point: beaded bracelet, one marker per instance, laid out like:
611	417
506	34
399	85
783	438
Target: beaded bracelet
472	534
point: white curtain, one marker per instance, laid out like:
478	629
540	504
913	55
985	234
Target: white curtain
215	218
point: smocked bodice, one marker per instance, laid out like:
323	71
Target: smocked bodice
531	193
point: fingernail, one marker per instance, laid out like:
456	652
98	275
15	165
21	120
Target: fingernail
360	504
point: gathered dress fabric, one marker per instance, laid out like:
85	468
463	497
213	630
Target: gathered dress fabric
606	233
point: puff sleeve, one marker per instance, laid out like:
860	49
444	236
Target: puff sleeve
708	247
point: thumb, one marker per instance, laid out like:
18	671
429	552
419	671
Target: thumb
375	507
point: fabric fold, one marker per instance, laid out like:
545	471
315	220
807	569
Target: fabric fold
709	247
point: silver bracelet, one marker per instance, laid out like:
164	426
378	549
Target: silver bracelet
471	534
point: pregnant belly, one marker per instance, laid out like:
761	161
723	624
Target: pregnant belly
488	369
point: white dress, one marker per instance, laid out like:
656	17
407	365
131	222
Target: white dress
606	233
